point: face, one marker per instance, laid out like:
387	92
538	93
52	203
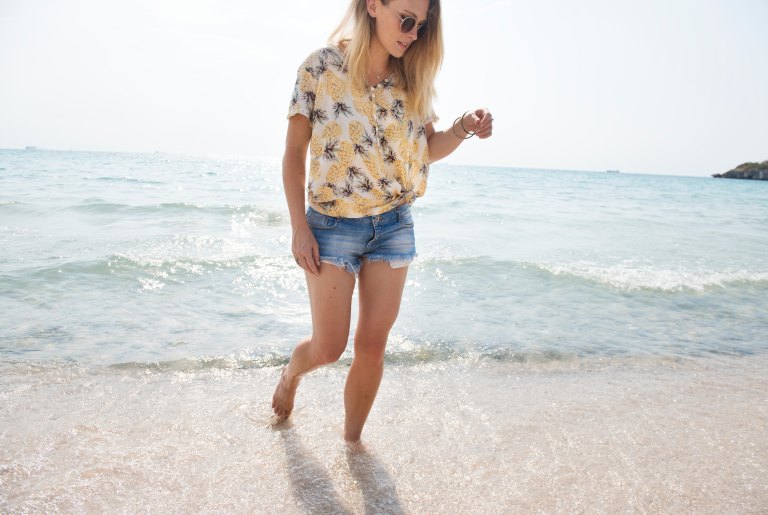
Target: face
389	23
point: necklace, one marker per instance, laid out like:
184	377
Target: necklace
378	76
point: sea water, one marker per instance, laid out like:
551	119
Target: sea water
567	341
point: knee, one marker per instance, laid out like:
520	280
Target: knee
325	353
370	352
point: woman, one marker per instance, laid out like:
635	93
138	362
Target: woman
363	107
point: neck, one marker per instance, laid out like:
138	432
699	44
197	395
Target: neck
379	59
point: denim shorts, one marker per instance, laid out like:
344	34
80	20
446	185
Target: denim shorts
345	242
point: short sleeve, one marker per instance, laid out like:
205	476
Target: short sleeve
304	91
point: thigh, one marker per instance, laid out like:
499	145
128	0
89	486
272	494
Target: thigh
330	299
380	292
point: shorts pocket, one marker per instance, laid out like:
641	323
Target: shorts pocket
404	216
320	221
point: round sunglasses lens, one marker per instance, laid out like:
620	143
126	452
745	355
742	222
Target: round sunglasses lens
407	24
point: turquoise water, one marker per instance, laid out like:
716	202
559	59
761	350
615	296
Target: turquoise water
123	258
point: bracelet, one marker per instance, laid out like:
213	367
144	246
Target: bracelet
464	128
453	128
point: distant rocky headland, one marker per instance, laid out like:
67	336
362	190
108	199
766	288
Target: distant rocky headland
756	171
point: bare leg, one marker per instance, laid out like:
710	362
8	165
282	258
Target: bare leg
380	291
330	299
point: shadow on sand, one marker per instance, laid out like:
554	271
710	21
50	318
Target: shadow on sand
313	487
311	483
378	488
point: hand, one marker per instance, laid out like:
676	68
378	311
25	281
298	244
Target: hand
480	122
305	250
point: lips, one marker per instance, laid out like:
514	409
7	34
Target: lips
404	46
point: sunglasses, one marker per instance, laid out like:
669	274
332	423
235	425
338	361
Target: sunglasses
407	23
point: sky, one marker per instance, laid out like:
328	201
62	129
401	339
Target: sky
675	87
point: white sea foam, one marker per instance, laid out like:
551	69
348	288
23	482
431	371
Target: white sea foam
150	284
631	276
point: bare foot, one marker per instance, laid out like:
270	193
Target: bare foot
356	447
282	400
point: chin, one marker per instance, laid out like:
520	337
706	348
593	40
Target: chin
398	50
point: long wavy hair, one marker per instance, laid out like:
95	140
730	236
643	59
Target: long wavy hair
415	71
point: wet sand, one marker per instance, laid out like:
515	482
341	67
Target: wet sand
465	436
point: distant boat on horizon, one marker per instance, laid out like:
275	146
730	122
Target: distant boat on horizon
30	147
612	171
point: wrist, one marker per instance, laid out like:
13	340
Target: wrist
459	128
465	120
456	129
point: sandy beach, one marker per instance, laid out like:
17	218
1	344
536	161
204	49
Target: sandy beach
577	436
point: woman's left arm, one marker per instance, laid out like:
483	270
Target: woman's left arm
442	143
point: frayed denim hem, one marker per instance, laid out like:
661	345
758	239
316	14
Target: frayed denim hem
395	261
342	263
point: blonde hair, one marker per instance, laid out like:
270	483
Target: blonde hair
415	71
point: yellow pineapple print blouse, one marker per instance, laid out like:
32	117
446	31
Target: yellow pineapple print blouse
368	152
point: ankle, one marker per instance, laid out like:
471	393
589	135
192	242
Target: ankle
352	439
352	436
289	378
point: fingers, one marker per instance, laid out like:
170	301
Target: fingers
309	261
312	260
485	123
305	250
316	254
479	122
475	120
485	132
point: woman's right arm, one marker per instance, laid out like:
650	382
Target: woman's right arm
303	244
